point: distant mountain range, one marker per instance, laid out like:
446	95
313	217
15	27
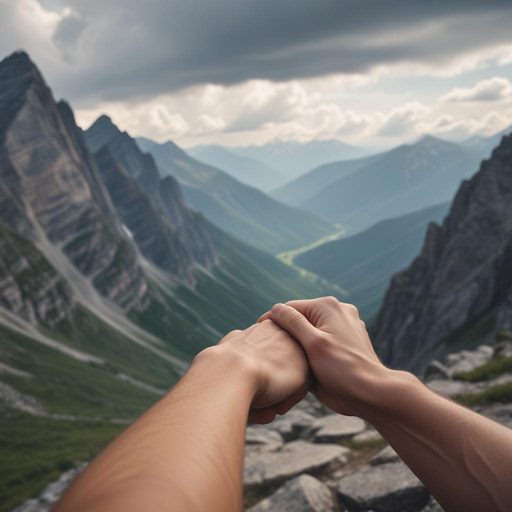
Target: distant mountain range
364	264
109	282
295	158
394	183
458	291
243	168
242	211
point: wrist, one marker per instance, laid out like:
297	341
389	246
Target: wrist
223	363
384	392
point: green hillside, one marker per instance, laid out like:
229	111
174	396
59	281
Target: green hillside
363	264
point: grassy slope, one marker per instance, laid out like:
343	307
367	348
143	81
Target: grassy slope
363	264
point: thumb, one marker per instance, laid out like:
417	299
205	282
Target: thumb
295	324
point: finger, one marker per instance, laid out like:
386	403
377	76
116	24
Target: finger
262	416
295	324
265	316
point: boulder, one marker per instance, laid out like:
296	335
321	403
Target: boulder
386	488
335	428
263	439
433	506
468	360
385	456
503	349
450	388
293	424
435	371
32	506
302	494
293	459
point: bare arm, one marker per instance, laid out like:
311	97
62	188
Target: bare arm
186	452
463	458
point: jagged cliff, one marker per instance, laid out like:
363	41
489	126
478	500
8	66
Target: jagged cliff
50	185
462	279
127	171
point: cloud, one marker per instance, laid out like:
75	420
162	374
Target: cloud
451	127
492	89
129	49
400	120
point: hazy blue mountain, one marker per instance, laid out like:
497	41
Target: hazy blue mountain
297	191
109	284
485	145
364	264
295	158
242	211
457	293
400	181
244	169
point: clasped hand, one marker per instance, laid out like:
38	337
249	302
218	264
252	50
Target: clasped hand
318	345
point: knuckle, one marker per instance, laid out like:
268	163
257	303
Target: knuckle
330	301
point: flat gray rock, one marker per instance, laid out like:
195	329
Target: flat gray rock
433	506
263	439
384	456
450	388
335	427
436	371
302	494
468	360
293	424
293	459
386	488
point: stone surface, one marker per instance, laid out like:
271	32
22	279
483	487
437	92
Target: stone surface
293	459
385	456
462	272
498	412
262	439
468	360
302	494
433	506
335	427
386	488
450	388
293	424
436	371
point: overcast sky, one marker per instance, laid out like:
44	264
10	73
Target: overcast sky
238	72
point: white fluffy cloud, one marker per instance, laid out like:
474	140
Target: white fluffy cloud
493	89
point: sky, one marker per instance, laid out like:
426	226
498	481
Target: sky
241	72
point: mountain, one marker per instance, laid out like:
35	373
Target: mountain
244	169
109	284
485	145
400	181
297	191
459	289
295	158
364	264
240	210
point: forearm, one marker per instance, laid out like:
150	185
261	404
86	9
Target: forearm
458	454
185	453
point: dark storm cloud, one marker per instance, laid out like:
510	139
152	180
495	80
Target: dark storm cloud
147	47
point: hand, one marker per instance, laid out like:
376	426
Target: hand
273	360
339	350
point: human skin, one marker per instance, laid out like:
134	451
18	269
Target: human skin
186	453
463	458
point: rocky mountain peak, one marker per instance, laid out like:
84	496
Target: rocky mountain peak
462	279
101	132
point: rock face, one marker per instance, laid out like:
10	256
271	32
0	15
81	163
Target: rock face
384	457
169	234
50	189
29	286
302	494
293	459
384	488
294	424
464	271
262	439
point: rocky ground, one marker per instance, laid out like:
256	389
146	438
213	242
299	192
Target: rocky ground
311	460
